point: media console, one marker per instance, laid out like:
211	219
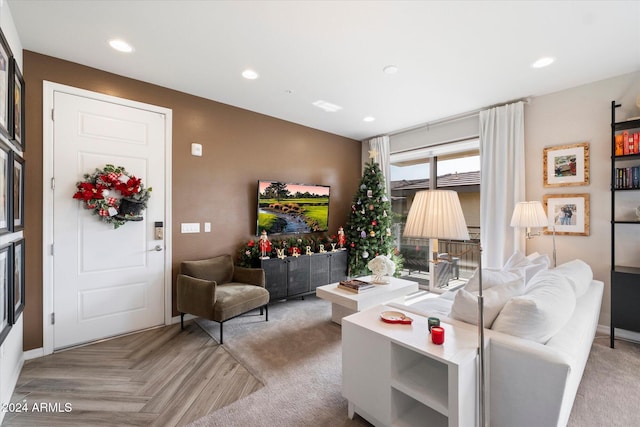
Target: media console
298	276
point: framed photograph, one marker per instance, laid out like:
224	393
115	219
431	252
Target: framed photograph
17	181
17	102
566	165
18	280
569	214
5	80
5	292
6	221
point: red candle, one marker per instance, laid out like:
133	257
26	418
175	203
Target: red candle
437	335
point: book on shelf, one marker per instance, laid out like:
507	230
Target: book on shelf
619	145
355	285
627	144
627	178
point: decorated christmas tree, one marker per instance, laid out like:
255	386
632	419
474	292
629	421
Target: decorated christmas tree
369	229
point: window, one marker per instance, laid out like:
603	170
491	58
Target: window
455	166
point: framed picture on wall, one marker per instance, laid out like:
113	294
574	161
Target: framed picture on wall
569	214
17	181
5	79
17	102
5	293
6	221
566	165
18	280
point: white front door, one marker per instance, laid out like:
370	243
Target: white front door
106	281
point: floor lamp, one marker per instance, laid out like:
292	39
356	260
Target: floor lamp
531	215
437	214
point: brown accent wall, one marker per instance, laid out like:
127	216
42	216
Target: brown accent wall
220	187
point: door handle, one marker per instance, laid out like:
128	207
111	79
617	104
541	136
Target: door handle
158	248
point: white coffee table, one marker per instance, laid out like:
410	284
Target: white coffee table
345	303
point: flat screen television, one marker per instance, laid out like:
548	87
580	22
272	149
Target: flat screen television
287	208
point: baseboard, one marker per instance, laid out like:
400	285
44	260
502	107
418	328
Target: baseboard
176	319
620	333
34	354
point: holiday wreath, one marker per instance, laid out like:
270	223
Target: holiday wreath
99	191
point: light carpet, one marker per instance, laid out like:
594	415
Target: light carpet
609	393
297	355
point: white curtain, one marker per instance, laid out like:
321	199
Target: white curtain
502	182
380	145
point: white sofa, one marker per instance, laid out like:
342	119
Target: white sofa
532	379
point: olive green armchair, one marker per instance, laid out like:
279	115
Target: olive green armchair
217	290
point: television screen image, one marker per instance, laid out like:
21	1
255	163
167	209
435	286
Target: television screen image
292	208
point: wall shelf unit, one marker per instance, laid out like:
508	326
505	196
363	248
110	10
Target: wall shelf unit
625	190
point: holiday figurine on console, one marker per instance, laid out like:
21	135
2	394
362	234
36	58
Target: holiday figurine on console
342	240
264	245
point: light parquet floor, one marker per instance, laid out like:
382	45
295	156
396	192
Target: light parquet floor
161	377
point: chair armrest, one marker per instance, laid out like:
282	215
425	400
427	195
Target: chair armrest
195	296
250	276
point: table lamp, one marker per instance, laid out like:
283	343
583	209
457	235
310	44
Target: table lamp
531	215
437	214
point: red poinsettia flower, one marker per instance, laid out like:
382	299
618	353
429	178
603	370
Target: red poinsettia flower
132	186
251	243
87	191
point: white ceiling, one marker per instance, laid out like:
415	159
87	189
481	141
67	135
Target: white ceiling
453	57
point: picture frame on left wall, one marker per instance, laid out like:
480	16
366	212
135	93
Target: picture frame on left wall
16	91
17	181
5	84
18	297
6	221
5	292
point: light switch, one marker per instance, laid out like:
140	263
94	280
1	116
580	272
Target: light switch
207	227
196	149
190	227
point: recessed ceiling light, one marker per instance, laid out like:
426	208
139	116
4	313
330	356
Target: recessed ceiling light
250	74
369	119
121	46
327	106
543	62
390	69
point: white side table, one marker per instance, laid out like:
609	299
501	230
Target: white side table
393	374
345	303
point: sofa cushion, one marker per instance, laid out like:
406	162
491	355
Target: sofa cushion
465	304
492	277
579	275
545	307
528	265
538	258
218	269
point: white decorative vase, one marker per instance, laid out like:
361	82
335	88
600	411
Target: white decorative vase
381	279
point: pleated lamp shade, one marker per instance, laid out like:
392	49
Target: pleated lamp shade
436	214
529	214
